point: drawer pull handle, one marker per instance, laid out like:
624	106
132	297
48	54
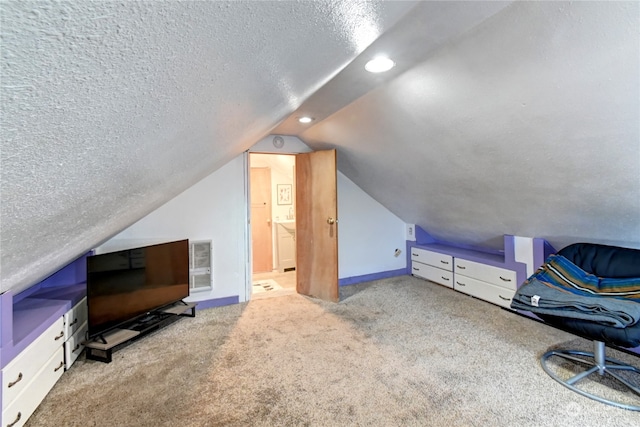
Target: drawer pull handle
59	336
461	267
416	269
445	278
76	347
506	299
74	322
59	366
416	255
12	383
16	420
460	284
505	280
444	262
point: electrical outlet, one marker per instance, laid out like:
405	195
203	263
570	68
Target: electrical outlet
410	232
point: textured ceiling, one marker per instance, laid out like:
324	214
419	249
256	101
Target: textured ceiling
109	109
500	117
527	124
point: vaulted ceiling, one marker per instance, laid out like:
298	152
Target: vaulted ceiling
499	117
527	124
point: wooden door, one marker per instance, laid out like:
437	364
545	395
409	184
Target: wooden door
261	240
316	225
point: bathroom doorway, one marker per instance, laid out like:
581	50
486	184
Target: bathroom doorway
273	224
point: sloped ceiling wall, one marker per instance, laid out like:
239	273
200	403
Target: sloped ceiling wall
529	124
109	109
499	117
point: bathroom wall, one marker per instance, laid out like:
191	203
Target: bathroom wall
282	174
282	171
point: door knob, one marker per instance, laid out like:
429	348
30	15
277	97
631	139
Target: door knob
331	221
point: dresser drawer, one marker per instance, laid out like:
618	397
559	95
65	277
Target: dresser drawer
74	318
25	403
483	290
433	274
435	259
21	370
73	346
486	273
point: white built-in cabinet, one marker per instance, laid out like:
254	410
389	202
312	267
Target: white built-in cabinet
487	282
27	379
286	245
433	266
75	328
33	372
494	284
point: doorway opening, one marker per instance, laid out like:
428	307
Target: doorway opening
273	224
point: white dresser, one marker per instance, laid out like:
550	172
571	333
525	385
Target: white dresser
494	284
490	276
75	327
27	379
433	266
40	341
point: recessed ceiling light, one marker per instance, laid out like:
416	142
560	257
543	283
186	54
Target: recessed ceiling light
305	119
379	64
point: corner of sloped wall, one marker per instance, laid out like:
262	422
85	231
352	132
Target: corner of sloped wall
288	145
369	234
422	237
212	209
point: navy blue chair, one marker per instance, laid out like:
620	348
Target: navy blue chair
602	261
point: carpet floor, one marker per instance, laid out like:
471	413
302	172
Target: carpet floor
394	352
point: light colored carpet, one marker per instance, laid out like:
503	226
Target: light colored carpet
395	352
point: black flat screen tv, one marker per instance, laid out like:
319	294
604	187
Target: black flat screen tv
125	285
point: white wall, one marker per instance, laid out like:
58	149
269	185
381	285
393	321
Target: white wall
213	209
368	233
216	209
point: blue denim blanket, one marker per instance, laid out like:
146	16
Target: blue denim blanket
547	292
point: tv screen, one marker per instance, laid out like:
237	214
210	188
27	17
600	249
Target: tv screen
126	284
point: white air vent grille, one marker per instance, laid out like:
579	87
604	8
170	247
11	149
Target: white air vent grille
200	265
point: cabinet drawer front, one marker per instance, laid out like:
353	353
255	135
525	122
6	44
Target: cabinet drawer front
433	274
28	400
73	346
21	370
483	290
74	318
432	258
487	273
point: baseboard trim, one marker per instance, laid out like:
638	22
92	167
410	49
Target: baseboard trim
370	277
216	302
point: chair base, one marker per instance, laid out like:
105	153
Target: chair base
598	363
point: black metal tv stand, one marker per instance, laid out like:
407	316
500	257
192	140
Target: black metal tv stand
101	348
